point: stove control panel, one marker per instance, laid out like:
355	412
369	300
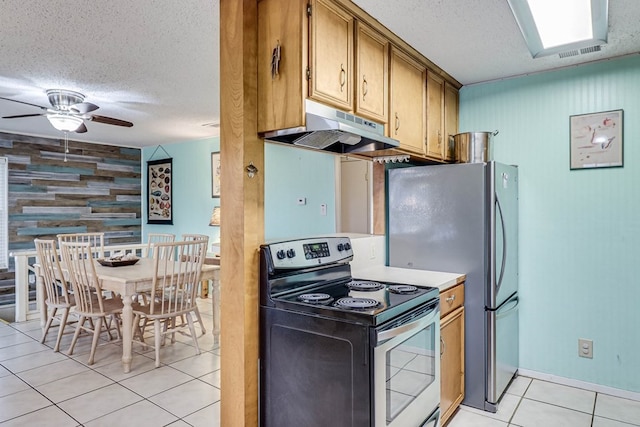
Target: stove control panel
295	254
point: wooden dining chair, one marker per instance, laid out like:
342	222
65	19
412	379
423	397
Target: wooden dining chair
91	306
57	297
96	240
173	292
154	238
199	237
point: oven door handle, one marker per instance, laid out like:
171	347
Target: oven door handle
418	324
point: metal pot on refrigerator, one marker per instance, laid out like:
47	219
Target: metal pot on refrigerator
473	147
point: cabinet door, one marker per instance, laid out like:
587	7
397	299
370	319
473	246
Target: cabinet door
282	85
451	363
372	64
331	56
450	119
407	106
435	115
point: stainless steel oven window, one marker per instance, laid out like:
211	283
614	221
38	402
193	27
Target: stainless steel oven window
407	372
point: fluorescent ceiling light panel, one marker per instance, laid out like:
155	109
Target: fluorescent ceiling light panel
551	27
562	22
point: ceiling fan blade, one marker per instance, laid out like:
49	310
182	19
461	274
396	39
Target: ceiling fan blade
110	121
83	107
23	115
25	103
81	129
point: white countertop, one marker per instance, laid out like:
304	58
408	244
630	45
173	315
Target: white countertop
437	279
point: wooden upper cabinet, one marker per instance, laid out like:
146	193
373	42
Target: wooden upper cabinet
451	98
407	102
331	55
372	74
282	64
435	116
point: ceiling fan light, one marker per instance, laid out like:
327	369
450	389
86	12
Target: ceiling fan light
64	123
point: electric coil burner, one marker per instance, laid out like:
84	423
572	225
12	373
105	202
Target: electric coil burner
357	303
403	289
315	298
321	329
361	285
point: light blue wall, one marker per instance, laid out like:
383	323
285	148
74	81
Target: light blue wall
291	173
192	201
580	229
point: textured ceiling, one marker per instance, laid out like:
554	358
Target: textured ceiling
155	62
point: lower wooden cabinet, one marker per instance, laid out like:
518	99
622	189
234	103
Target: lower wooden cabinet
451	352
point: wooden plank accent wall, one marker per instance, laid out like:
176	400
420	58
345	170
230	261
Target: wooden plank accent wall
97	189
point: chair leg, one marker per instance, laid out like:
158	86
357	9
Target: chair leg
115	319
76	334
94	343
192	329
63	323
47	326
204	331
158	339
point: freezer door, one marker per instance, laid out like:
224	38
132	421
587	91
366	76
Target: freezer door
502	345
503	236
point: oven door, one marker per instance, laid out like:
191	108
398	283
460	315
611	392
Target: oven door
406	368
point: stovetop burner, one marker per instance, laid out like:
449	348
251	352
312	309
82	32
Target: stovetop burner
362	285
357	303
403	289
317	298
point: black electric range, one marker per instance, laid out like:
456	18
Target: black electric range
314	276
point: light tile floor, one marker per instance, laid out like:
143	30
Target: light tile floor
535	403
41	388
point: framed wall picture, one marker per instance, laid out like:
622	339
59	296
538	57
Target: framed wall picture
215	174
159	190
596	140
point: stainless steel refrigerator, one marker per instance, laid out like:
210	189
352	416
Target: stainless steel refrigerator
463	218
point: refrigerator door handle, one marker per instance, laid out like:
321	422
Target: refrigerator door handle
504	246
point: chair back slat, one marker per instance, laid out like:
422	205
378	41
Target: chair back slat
155	238
96	240
176	280
78	260
48	259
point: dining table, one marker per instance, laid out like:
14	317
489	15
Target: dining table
131	280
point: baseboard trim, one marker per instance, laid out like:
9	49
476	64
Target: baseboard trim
580	384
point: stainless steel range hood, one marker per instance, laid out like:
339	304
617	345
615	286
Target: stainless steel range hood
332	130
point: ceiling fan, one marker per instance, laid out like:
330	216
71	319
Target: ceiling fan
68	111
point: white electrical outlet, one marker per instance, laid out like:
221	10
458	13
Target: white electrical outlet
585	348
323	209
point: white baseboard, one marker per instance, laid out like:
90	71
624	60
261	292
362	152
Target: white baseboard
580	384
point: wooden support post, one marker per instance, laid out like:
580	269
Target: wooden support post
242	213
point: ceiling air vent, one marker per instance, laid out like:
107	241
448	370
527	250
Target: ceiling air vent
583	51
590	49
569	53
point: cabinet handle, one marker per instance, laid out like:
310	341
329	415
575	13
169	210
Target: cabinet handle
397	123
450	299
439	138
442	347
343	77
365	86
275	61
